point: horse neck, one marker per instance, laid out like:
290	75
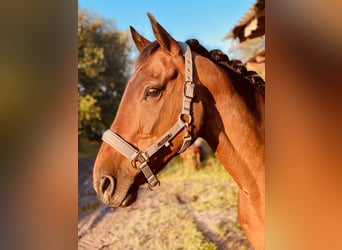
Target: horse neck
233	124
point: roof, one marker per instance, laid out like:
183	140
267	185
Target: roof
251	25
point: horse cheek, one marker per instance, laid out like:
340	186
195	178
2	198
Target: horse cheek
148	123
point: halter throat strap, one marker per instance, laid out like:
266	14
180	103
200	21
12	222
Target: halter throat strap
139	159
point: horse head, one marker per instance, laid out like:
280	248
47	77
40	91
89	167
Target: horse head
158	117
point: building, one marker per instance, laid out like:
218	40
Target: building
250	26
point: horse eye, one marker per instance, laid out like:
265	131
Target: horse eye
153	92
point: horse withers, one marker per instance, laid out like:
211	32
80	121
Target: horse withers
180	92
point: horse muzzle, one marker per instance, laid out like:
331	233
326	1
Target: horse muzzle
113	195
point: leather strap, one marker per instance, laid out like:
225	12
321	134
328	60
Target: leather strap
120	144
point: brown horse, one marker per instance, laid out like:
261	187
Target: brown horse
176	94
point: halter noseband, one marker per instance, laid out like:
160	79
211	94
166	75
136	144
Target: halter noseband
139	159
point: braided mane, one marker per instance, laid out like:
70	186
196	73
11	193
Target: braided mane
235	65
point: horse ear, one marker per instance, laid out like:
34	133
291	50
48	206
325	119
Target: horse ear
139	40
163	37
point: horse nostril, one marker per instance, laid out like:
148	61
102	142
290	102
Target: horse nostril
107	185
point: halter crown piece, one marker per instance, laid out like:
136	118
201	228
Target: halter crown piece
139	159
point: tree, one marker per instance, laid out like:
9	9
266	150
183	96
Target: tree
103	69
88	114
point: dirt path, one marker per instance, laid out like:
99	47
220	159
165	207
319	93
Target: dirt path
100	227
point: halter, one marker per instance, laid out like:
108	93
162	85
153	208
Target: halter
139	159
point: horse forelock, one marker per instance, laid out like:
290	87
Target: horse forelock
146	53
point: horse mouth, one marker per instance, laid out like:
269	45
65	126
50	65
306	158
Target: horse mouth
131	196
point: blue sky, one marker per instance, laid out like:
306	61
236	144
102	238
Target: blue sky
206	20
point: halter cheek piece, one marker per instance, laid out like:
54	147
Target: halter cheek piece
139	159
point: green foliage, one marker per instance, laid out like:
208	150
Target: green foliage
88	113
103	69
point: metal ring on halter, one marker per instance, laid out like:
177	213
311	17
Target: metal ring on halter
139	158
151	186
134	164
181	117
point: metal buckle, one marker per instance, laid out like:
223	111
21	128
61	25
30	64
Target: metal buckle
189	89
152	180
186	143
140	158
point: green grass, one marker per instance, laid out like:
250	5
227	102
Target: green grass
180	168
171	217
162	227
171	224
88	208
212	185
214	190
